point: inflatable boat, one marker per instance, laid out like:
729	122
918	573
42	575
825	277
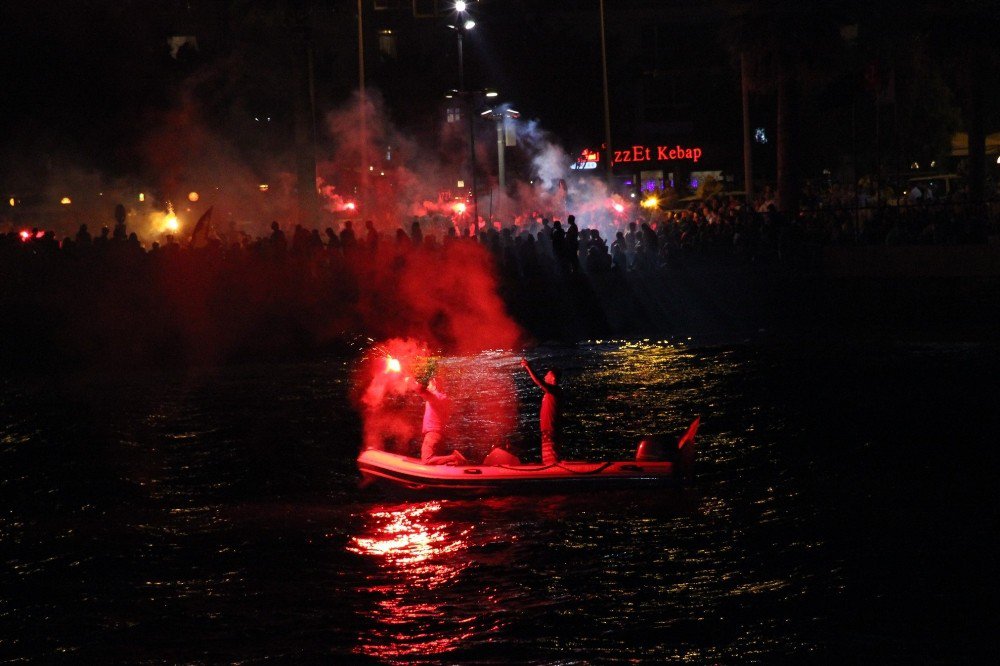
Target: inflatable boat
658	462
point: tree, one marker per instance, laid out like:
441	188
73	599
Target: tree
787	48
963	35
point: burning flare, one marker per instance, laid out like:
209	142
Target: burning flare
392	364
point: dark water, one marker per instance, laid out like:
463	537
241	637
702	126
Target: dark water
844	511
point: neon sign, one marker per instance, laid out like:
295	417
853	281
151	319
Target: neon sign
589	159
638	153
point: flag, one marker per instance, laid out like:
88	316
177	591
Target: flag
202	230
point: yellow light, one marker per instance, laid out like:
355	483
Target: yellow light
650	202
65	201
171	223
460	207
192	196
11	201
263	187
142	197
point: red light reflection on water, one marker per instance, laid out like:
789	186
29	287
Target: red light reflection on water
408	536
416	551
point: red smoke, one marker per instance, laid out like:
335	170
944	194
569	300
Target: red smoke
437	300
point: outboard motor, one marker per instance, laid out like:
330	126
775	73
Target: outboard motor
662	448
657	448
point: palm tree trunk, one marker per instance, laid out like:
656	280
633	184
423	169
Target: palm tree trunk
787	140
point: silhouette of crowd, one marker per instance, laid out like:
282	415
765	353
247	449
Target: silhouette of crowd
294	287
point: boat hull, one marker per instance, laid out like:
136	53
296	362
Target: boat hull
400	472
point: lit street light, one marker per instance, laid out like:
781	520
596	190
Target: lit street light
461	26
504	138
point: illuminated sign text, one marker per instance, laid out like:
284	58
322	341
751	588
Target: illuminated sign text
588	159
639	153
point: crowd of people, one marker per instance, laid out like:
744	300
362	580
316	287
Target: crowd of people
531	242
295	285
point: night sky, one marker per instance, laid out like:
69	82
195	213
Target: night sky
86	83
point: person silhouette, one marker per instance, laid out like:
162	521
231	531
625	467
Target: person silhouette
437	414
550	416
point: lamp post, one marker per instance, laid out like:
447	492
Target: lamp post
363	112
462	26
607	105
470	96
500	117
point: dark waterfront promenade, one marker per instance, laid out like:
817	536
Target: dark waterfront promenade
111	302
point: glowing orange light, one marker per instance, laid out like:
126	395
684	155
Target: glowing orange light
171	223
65	201
192	196
12	201
392	364
25	235
459	208
650	202
263	187
350	205
142	197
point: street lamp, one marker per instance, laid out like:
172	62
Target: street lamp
462	26
469	96
607	106
500	116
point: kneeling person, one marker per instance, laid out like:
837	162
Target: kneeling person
437	412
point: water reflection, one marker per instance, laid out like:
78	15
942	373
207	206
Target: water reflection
415	552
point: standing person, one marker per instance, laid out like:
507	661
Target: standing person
372	236
437	413
572	247
550	416
348	241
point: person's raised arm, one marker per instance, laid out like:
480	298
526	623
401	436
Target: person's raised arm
531	373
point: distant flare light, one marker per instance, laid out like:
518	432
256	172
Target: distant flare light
650	202
263	187
171	223
25	235
192	196
459	208
460	6
65	201
392	364
619	208
350	205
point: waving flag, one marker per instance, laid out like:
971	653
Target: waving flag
202	230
